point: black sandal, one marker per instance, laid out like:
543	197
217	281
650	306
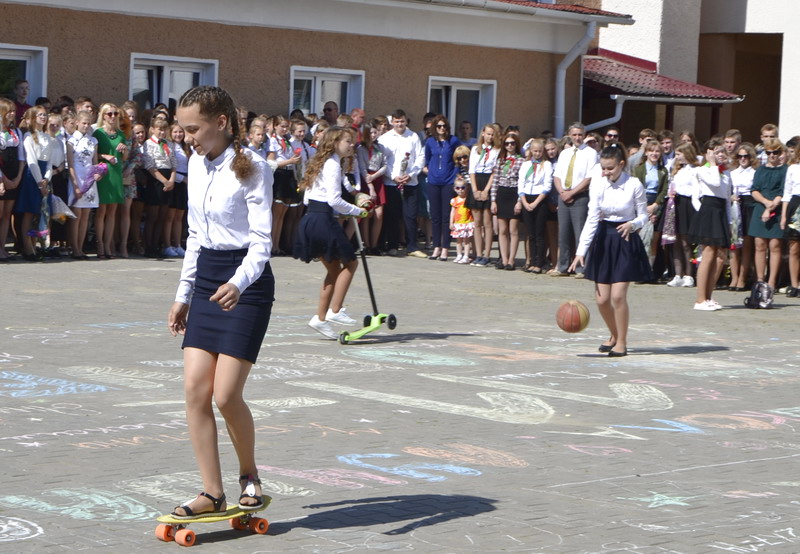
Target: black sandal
190	514
250	492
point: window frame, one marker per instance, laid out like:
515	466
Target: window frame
353	77
487	100
35	68
208	69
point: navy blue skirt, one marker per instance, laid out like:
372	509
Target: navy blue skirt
611	259
29	199
319	235
239	332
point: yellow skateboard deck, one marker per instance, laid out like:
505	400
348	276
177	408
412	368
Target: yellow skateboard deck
174	529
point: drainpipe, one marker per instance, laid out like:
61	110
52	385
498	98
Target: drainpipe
561	75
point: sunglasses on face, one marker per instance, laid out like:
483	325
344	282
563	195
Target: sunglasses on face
609	135
112	114
510	143
743	156
441	126
772	152
459	188
459	158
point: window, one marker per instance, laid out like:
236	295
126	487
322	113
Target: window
23	62
160	79
462	100
312	87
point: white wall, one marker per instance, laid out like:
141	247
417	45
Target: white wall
765	16
643	38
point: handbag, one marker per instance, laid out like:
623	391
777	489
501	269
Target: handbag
670	232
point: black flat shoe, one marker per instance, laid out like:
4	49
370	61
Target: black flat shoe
613	354
606	347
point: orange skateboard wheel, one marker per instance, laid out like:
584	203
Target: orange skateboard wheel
259	525
165	532
185	537
238	524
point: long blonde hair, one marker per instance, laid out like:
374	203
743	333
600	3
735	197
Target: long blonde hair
325	150
689	154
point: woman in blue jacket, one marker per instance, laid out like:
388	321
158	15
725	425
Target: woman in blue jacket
442	172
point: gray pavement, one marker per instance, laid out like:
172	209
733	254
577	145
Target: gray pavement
475	426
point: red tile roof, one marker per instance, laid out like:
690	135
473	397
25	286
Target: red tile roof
622	78
573	8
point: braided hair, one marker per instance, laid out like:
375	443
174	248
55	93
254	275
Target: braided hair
213	102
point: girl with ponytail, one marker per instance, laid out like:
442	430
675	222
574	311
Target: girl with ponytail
227	278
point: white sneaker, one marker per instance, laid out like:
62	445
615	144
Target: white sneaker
714	304
457	260
170	252
688	281
677	281
704	307
181	252
464	259
323	327
341	318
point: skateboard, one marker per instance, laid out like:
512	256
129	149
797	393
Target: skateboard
172	529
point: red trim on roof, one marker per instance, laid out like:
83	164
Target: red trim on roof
622	78
564	8
647	65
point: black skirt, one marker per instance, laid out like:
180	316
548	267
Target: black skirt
239	332
711	226
178	197
611	259
154	194
284	188
481	180
684	213
319	235
790	233
507	198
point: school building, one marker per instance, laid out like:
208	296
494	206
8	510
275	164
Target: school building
511	61
744	47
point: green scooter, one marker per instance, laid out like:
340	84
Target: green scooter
371	322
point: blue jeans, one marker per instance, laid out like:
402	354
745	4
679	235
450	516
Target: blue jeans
439	197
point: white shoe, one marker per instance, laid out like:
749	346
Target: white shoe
170	252
457	260
688	281
323	327
677	281
341	317
714	304
464	260
704	307
181	252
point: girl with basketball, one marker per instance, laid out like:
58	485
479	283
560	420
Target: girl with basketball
319	235
227	278
610	248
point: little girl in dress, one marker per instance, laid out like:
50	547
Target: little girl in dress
462	225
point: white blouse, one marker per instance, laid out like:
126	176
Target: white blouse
227	214
615	202
742	178
684	182
535	180
38	150
713	182
791	186
327	188
482	161
282	147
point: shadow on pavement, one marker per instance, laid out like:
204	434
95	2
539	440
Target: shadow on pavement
671	350
406	337
416	510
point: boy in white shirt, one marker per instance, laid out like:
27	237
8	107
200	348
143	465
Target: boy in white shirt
404	159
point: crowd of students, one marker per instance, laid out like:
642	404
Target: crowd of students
123	174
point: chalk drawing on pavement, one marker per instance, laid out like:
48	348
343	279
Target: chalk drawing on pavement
17	529
84	503
25	385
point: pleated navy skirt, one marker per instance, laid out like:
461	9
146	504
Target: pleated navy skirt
29	199
239	332
711	226
319	235
612	259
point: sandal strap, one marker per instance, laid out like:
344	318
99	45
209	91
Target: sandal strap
217	501
249	478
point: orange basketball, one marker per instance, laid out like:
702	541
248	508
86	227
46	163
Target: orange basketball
572	316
